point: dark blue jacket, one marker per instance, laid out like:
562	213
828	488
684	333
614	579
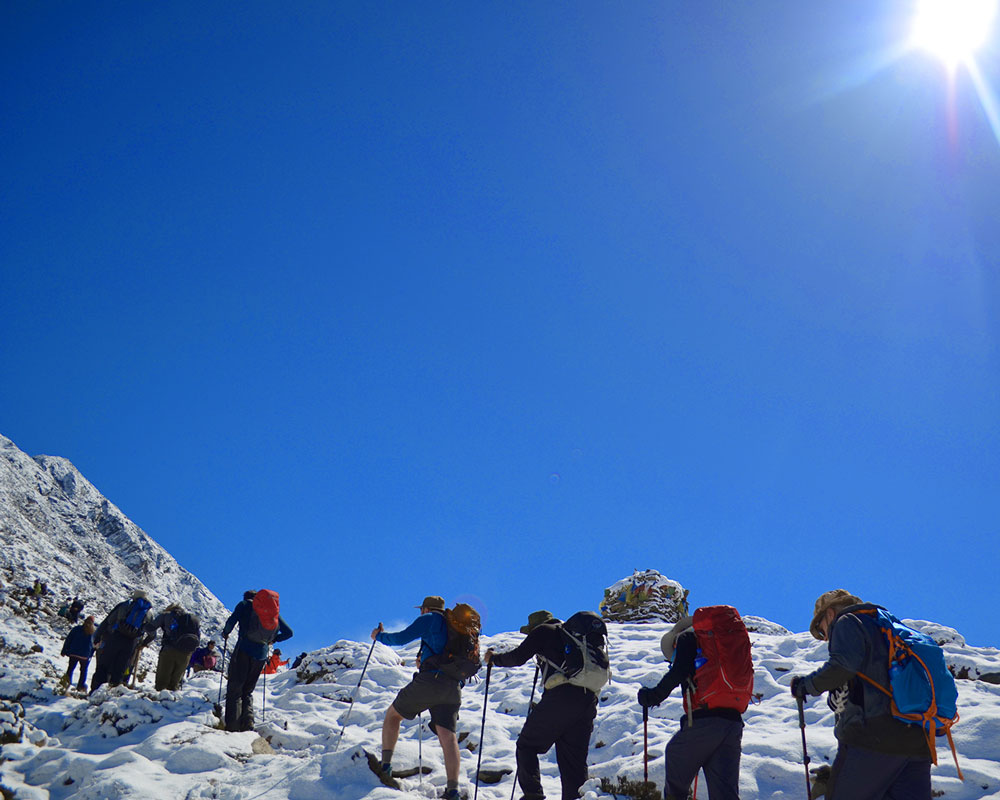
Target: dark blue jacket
78	643
863	713
241	616
430	628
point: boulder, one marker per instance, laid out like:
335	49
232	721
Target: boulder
645	596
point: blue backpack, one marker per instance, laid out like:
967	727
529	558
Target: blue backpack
921	688
135	615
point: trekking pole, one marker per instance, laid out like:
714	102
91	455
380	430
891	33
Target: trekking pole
263	701
645	744
805	753
351	707
222	671
420	750
531	701
482	730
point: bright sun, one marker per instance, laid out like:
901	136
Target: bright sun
952	29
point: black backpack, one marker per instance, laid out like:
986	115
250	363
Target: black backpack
585	659
183	633
460	657
135	615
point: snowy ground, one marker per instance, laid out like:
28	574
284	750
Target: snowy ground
124	743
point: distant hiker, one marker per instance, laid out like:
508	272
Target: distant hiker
710	661
79	646
298	660
74	609
37	590
564	717
260	626
877	755
204	658
117	636
432	687
181	635
274	662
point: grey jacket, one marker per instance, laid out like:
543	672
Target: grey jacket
863	713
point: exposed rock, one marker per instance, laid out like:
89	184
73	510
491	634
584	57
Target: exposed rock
646	596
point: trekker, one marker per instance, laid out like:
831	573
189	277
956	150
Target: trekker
74	609
878	756
564	716
709	655
181	635
274	662
79	646
116	637
260	626
429	689
204	658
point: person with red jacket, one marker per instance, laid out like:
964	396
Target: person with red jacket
274	662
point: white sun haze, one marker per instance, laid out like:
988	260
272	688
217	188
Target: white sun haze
953	30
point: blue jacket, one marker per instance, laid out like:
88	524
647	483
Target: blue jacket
430	628
863	713
78	644
241	616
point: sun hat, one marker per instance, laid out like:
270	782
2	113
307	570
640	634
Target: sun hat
432	603
669	640
836	599
536	618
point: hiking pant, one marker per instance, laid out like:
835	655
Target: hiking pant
860	774
563	717
713	744
243	674
112	661
170	668
84	666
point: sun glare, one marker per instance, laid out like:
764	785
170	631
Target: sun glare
953	30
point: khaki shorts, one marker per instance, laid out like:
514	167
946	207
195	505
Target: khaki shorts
442	695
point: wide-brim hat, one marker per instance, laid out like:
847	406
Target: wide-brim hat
536	618
432	603
669	641
836	598
139	593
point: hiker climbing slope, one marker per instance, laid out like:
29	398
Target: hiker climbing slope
260	626
710	660
878	755
446	657
181	636
564	717
118	635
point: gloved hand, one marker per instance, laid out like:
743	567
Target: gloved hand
798	687
647	698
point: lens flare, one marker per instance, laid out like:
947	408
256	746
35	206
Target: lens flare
953	30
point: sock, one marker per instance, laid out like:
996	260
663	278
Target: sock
386	758
451	785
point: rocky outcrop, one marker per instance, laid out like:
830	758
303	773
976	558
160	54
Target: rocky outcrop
645	596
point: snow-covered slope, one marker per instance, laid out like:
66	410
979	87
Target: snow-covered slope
55	526
124	743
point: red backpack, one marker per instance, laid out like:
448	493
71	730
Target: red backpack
723	667
262	626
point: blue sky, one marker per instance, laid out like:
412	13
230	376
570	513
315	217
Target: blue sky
363	302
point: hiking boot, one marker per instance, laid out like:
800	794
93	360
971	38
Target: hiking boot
451	794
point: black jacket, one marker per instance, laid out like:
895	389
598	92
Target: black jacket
545	641
863	713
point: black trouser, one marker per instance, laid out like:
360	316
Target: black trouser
860	774
112	661
243	674
713	744
563	717
84	666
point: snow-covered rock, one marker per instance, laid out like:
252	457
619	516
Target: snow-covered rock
646	595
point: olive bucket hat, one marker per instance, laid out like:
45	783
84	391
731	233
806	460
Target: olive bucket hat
836	599
536	618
